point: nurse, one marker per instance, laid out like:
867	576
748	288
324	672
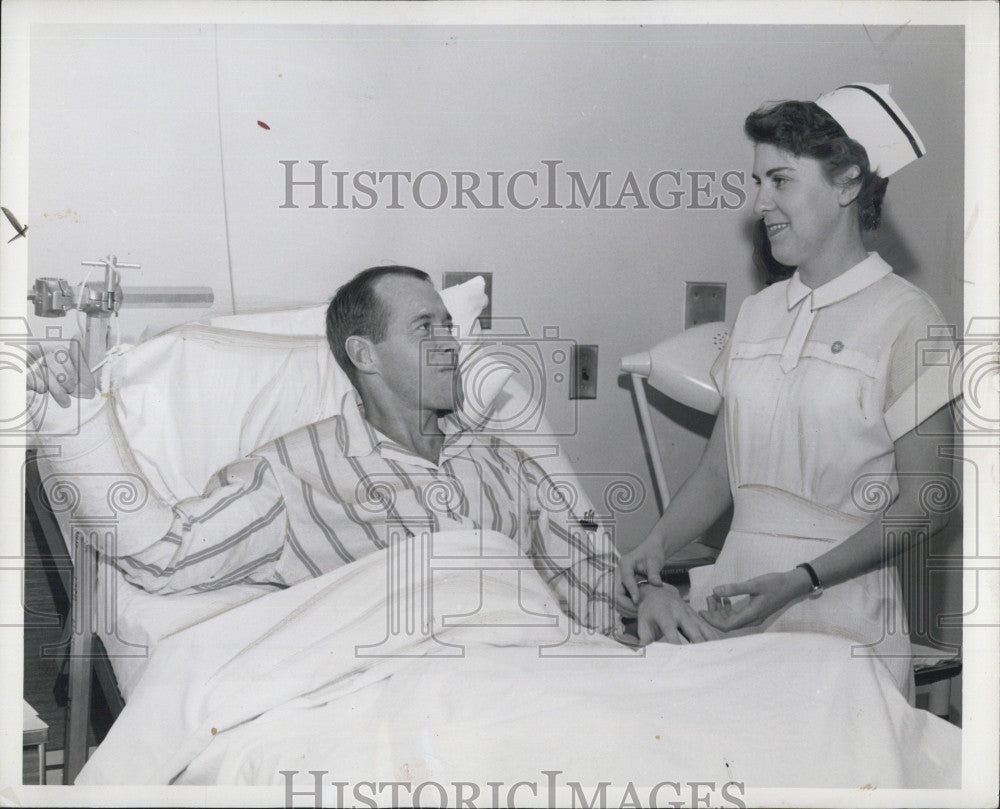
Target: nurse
823	388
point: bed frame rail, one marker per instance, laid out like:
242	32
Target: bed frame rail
78	579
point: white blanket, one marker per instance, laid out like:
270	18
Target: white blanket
279	684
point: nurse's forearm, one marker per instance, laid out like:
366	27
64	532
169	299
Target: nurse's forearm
855	556
702	499
869	549
922	474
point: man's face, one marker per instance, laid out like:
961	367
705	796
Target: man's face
418	359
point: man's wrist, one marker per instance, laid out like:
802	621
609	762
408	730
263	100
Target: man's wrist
647	588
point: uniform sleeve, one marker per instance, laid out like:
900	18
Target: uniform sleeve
923	372
233	532
577	562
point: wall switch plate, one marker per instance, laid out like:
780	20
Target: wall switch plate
704	303
452	279
583	384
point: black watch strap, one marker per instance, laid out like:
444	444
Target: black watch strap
817	585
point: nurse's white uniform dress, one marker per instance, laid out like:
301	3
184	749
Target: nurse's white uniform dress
817	385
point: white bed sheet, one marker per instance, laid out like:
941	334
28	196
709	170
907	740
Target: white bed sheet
277	684
141	620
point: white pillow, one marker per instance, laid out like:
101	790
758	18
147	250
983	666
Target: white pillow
307	388
182	398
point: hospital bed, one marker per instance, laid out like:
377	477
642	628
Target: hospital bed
184	663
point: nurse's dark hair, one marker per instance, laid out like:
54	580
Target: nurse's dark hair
805	129
358	310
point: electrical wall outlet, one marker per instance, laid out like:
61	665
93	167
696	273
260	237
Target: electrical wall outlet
704	303
583	384
452	279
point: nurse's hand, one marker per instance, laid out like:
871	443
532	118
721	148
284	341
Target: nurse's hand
642	563
663	615
60	371
624	604
767	595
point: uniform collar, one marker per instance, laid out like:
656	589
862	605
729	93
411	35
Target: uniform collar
860	276
361	438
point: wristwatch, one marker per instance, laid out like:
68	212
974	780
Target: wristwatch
817	586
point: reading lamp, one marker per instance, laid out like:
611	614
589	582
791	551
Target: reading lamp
678	367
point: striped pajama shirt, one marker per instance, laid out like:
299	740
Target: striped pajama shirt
334	491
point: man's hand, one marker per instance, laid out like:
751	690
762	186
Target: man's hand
61	372
768	594
664	615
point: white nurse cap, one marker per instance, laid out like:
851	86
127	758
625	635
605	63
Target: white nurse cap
867	113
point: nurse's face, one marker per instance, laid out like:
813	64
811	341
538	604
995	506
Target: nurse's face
801	209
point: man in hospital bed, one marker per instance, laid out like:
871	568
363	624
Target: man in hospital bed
321	496
282	686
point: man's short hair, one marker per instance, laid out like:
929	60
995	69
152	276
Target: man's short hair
357	310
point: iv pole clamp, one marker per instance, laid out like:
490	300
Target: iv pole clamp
99	303
53	297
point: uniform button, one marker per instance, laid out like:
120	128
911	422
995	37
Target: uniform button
837	347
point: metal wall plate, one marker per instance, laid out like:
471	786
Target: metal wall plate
583	384
704	303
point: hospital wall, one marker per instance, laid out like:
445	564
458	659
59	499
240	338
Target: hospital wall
162	145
